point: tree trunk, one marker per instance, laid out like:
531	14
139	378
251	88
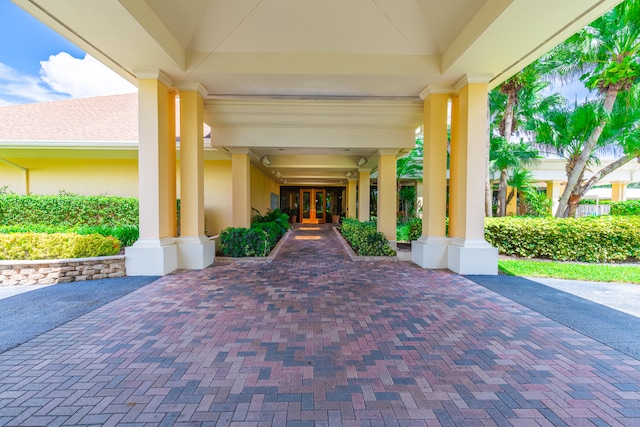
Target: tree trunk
488	190
502	193
585	154
584	188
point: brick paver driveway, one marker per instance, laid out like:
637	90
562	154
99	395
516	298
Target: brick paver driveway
314	338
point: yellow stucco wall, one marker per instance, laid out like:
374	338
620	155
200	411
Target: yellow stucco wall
261	188
217	195
113	177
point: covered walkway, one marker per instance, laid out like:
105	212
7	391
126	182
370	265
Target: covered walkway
313	338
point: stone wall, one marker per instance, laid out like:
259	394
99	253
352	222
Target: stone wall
47	272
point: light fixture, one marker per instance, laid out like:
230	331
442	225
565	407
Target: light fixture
284	181
278	174
349	174
265	161
362	161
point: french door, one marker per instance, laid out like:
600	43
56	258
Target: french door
313	205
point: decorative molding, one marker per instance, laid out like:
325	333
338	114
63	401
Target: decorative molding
154	75
435	90
472	78
194	87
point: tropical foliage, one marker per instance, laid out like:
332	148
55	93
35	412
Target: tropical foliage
604	55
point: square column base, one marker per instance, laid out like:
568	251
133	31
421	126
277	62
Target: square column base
195	253
472	257
151	257
430	252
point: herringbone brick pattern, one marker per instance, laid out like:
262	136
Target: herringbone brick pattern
314	339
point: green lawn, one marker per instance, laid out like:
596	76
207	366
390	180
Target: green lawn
571	271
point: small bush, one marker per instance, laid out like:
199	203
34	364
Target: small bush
244	242
68	210
127	235
37	246
273	231
591	239
410	231
626	208
365	239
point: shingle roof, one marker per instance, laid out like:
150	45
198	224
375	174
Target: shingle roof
104	118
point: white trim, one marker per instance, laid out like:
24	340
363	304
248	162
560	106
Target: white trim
154	75
472	78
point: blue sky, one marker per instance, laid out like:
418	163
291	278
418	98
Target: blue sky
37	64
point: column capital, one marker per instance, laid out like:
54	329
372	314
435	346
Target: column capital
387	152
435	90
154	75
239	150
472	78
193	87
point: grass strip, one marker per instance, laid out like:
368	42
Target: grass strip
571	271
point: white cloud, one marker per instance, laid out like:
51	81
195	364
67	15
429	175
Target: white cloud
82	78
16	88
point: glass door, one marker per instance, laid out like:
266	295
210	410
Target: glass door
313	206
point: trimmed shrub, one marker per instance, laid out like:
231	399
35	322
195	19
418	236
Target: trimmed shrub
590	239
127	235
68	210
626	208
365	239
244	242
37	246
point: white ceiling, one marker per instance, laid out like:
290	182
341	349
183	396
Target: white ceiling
317	49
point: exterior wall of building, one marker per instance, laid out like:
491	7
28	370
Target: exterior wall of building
113	177
217	195
261	188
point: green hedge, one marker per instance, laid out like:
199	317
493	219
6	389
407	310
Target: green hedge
365	239
626	208
244	242
38	246
127	235
410	231
591	239
68	210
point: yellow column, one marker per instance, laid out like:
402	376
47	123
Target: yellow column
364	196
195	251
387	194
430	250
554	191
155	252
468	252
240	187
512	206
618	191
351	197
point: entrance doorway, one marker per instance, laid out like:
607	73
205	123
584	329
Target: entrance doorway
313	206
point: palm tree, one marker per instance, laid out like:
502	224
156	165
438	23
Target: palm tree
505	158
513	105
605	53
565	131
